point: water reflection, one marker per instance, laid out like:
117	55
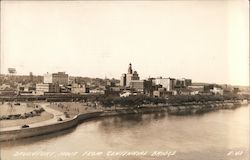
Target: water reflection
128	121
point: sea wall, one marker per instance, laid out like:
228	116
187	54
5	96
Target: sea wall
36	131
86	116
41	130
66	124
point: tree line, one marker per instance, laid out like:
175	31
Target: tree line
138	100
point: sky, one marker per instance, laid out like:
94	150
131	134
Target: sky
207	41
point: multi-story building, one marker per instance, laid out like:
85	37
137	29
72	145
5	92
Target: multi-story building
187	82
182	83
47	88
78	89
162	92
110	83
137	85
148	87
179	83
56	78
130	76
123	80
167	83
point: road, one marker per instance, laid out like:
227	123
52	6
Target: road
56	115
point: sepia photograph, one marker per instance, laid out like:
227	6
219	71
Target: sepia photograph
124	80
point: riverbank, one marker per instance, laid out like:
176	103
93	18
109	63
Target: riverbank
186	109
56	126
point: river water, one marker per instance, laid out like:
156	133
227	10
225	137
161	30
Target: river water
218	135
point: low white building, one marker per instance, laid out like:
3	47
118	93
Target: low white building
217	90
97	91
127	94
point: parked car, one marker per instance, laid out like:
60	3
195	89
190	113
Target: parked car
25	126
60	119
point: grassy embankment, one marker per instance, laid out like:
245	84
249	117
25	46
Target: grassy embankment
8	109
74	108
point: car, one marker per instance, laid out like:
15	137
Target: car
25	126
60	119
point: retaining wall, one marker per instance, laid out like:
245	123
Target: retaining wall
35	131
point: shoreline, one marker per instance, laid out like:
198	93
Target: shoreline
191	109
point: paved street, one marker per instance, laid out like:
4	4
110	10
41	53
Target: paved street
56	115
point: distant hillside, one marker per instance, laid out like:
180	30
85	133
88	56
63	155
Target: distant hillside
12	80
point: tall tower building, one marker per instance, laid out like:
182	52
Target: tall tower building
130	71
31	77
130	76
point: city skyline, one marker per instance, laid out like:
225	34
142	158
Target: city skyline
158	38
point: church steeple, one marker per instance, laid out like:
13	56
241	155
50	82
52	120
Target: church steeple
130	71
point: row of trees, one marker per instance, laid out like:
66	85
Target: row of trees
130	101
181	99
202	98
